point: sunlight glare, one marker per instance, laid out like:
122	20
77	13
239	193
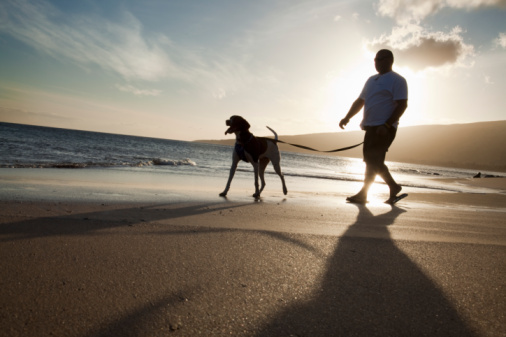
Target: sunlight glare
356	167
415	114
378	192
344	87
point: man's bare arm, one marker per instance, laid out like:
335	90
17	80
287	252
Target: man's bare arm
355	108
398	111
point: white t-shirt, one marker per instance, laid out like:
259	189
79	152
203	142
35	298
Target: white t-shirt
380	93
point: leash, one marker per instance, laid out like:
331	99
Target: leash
311	149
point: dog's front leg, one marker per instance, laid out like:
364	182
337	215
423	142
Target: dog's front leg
233	168
257	190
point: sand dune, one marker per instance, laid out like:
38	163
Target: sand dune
479	146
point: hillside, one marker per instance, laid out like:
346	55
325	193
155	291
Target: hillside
480	146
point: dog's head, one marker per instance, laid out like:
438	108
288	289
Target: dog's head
235	124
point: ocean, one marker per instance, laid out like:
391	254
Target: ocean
36	147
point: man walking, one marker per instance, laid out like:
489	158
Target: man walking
384	99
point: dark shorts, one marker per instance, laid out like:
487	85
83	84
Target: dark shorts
375	147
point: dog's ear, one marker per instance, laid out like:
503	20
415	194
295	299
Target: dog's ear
244	125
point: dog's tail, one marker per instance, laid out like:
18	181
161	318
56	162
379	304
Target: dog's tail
274	132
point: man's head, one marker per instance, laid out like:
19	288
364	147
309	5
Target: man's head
383	61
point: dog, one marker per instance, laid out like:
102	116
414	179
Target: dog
255	150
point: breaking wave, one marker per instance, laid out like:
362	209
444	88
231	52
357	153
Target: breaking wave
72	165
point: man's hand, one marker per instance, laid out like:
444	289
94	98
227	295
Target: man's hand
343	122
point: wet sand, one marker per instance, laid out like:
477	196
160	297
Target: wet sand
83	256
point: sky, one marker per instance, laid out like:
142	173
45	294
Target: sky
178	69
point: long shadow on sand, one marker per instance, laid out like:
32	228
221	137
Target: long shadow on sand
371	288
93	223
150	312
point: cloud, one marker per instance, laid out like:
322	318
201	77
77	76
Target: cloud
138	92
405	11
501	40
337	18
414	11
89	40
219	93
419	49
124	48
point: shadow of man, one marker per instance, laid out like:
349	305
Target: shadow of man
371	288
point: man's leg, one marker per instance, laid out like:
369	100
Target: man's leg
389	180
370	175
384	172
374	149
368	150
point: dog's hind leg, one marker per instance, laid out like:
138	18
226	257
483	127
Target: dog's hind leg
277	169
261	171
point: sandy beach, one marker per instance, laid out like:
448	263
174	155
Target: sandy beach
108	253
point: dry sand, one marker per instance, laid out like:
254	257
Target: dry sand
105	259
